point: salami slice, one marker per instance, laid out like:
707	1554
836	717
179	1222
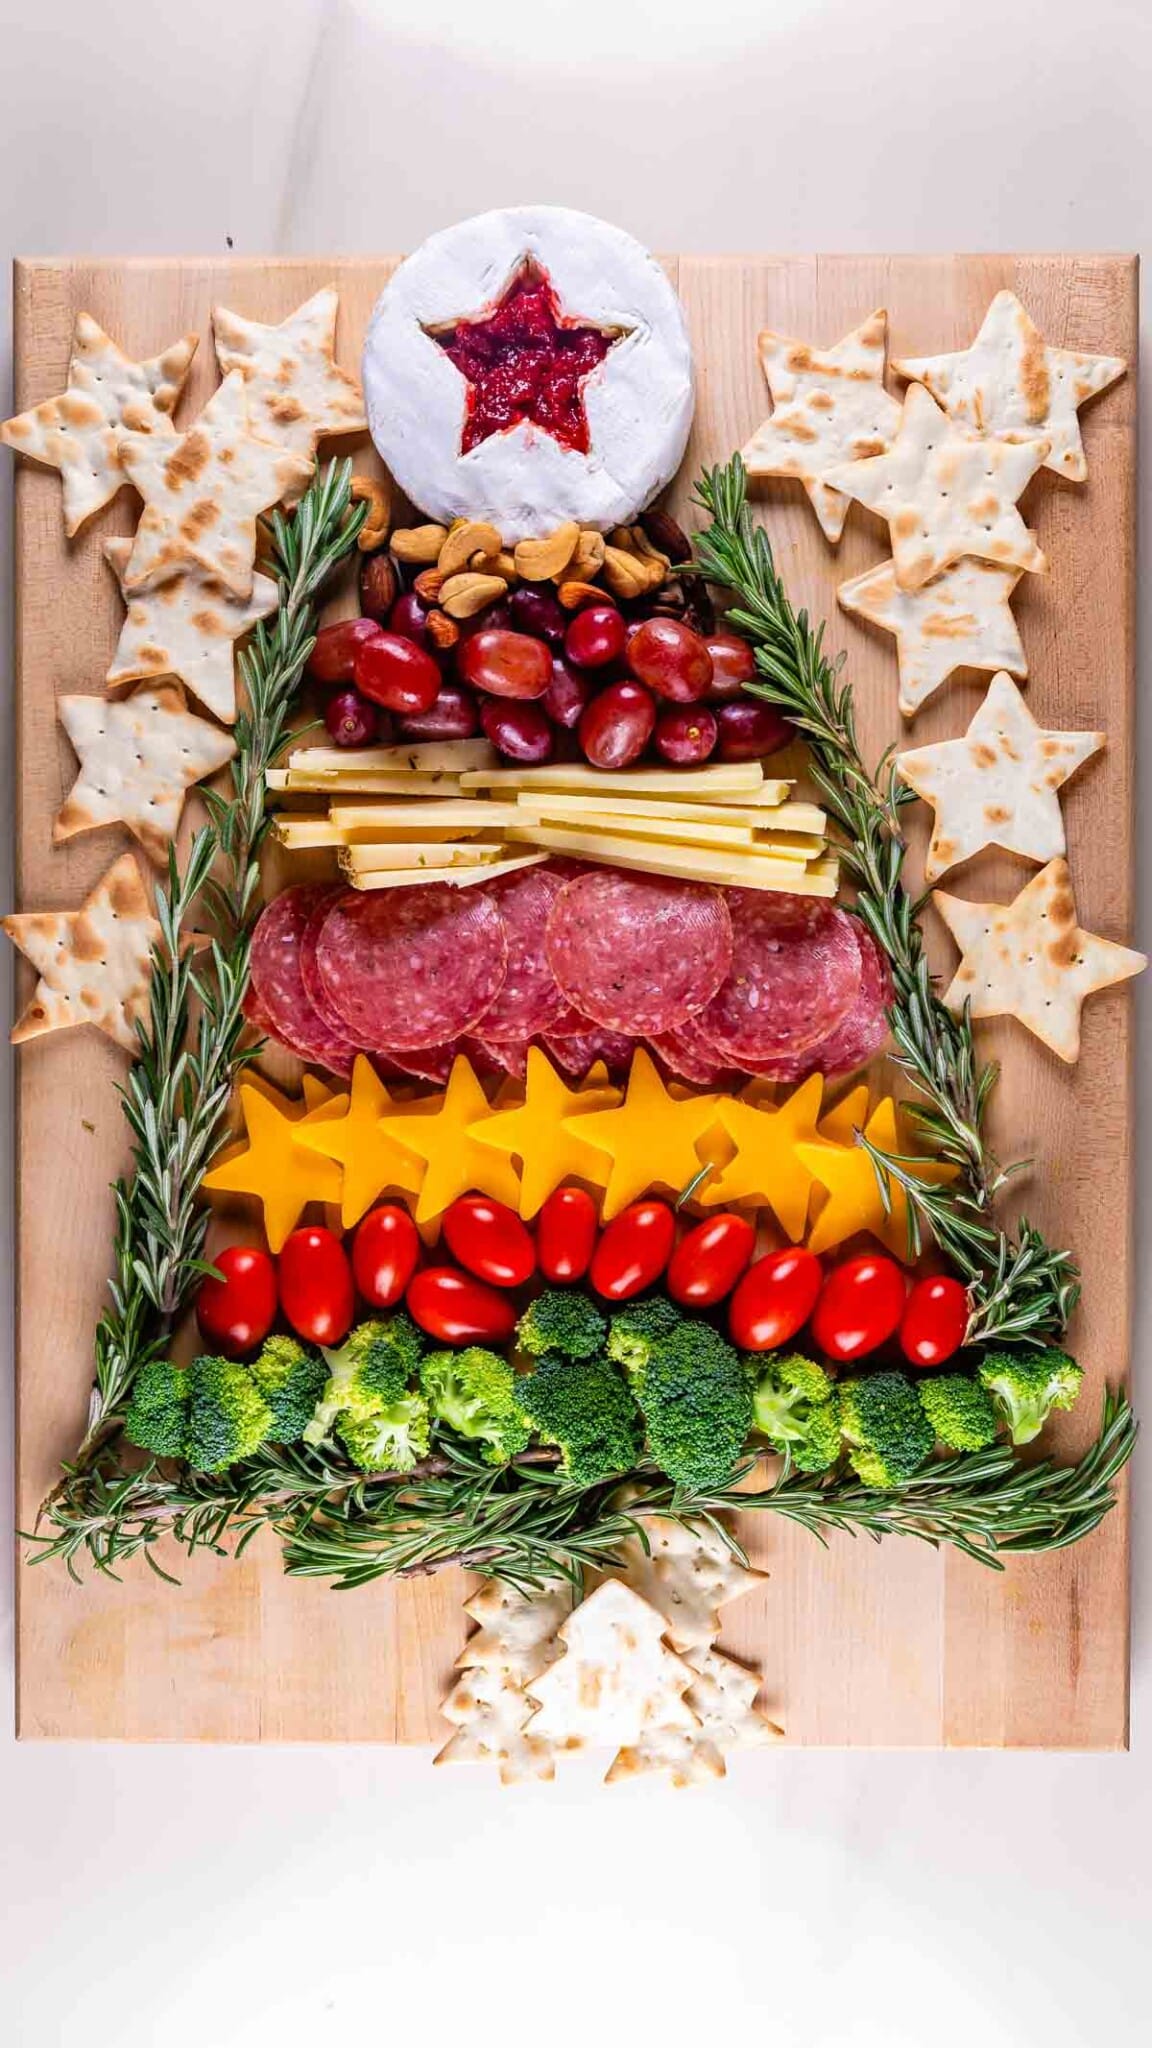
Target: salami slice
412	967
796	972
859	1035
686	1052
577	1052
309	971
278	986
530	1000
431	1063
638	953
493	1058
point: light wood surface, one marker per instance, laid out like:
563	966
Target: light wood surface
891	1646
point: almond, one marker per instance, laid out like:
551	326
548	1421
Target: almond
463	596
428	585
441	630
572	595
539	561
466	537
418	543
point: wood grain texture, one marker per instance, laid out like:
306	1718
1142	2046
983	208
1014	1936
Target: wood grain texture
863	1646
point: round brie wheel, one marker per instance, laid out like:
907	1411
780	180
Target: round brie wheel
637	401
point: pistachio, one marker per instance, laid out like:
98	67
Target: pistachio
442	631
575	593
538	561
466	537
465	595
373	492
418	543
428	585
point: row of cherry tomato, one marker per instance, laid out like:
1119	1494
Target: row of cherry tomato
854	1309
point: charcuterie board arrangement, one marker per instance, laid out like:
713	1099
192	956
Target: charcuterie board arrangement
553	1041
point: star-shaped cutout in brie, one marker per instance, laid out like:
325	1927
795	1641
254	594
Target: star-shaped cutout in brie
946	491
94	963
1030	960
829	407
525	362
1010	382
187	627
108	394
961	619
297	392
203	492
998	785
137	760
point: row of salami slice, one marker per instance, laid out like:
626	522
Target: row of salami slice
584	961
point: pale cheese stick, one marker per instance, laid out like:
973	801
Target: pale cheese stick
729	779
419	820
374	785
783	817
457	878
407	853
693	864
418	757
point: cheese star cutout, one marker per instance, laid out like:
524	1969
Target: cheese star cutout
651	1137
445	1139
767	1167
998	785
137	760
203	492
1010	382
371	1160
186	627
839	1125
1030	960
297	392
108	394
274	1166
961	619
854	1200
945	492
829	407
544	1132
94	963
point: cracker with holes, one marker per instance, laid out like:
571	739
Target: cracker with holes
688	1573
297	392
961	619
617	1679
488	1705
138	759
94	963
187	627
829	407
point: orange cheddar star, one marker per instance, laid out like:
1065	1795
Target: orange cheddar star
854	1200
651	1138
767	1167
445	1139
545	1132
372	1160
274	1166
839	1125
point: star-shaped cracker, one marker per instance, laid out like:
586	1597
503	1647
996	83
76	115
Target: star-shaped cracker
203	492
297	392
108	394
94	963
998	785
946	491
829	407
187	627
1010	382
137	760
961	619
1030	960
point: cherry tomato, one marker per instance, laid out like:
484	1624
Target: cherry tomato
316	1291
490	1240
633	1251
935	1320
708	1262
456	1309
566	1234
236	1312
860	1306
774	1299
385	1251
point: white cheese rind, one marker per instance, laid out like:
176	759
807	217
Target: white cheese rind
638	401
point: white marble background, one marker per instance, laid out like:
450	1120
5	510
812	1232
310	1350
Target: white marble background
205	1899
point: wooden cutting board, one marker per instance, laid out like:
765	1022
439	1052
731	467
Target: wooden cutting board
889	1646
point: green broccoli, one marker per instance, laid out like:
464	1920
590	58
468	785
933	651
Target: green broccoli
959	1410
291	1376
795	1405
887	1431
373	1366
474	1393
564	1320
697	1403
228	1418
634	1330
585	1407
157	1418
388	1436
1026	1385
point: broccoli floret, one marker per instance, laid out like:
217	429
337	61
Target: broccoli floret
563	1320
585	1407
888	1434
291	1376
157	1418
959	1410
389	1437
634	1330
794	1404
1026	1385
228	1417
373	1366
697	1404
474	1393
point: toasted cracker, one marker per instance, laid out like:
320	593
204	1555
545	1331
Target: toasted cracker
1010	382
998	785
688	1758
829	407
687	1574
187	627
108	394
137	761
617	1679
517	1632
203	492
723	1698
490	1709
960	619
94	963
946	491
297	393
1030	960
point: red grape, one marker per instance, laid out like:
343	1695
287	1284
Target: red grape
685	735
672	659
333	658
351	720
506	664
397	674
595	636
453	716
617	725
733	665
408	617
536	611
493	618
519	731
748	730
567	694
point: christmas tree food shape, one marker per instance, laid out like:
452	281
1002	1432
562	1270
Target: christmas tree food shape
617	1680
516	1640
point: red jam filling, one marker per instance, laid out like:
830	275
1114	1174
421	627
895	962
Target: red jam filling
522	362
